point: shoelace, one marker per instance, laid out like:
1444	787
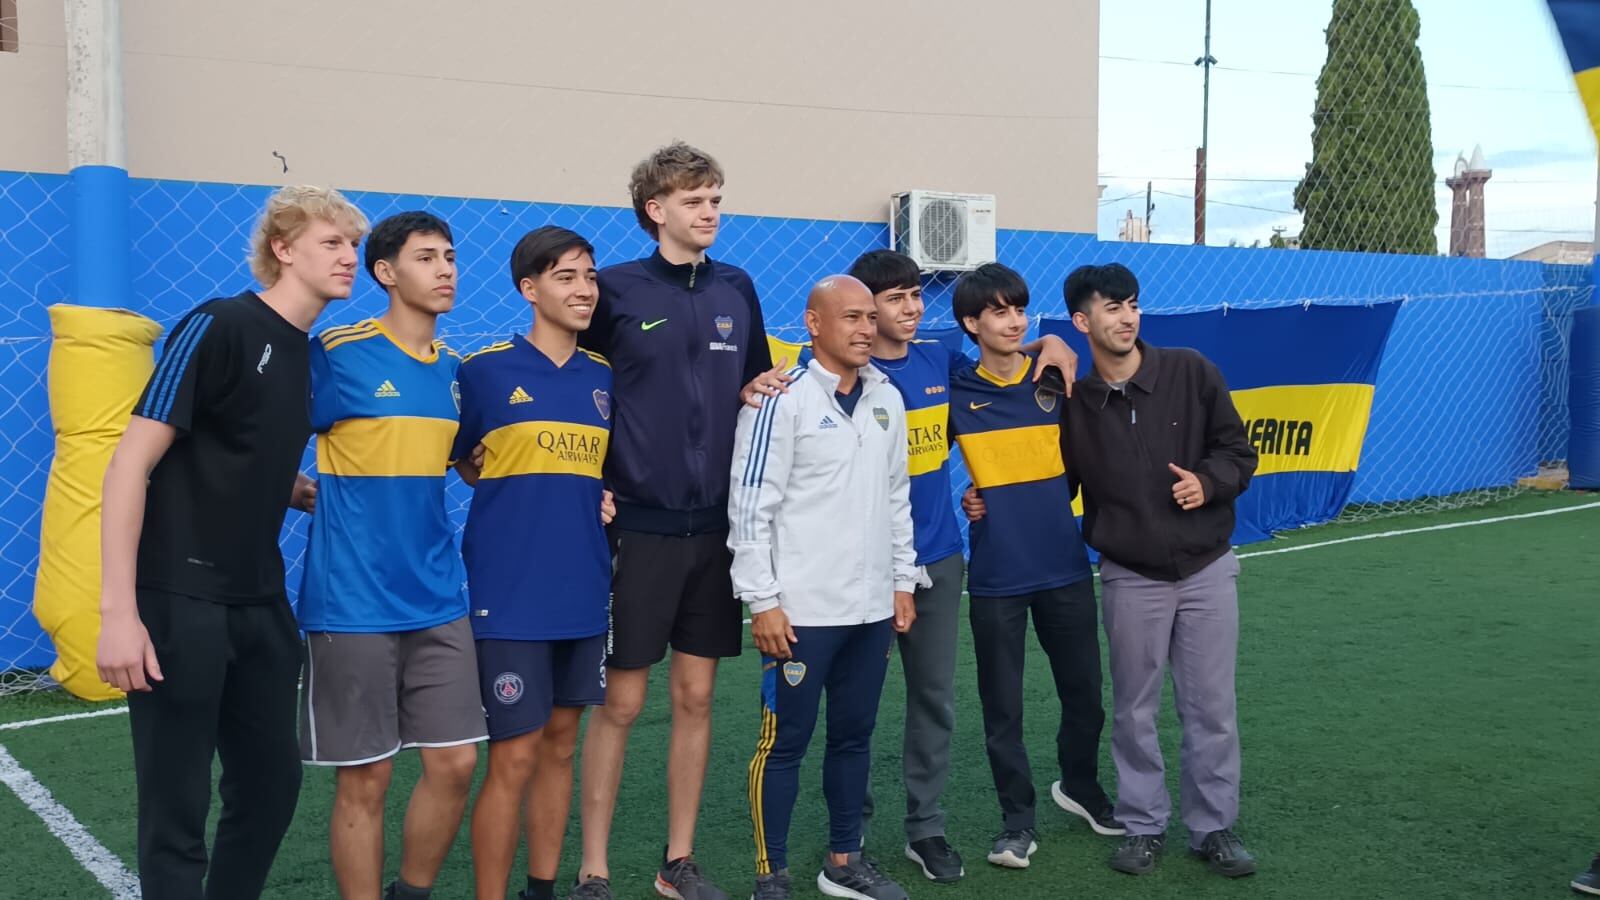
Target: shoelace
684	873
867	871
1144	843
1227	842
1021	837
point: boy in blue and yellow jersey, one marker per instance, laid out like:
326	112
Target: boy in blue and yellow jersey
1026	556
389	660
921	372
538	565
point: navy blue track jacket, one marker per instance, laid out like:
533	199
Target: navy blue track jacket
681	340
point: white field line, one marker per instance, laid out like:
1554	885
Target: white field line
1493	520
90	853
29	723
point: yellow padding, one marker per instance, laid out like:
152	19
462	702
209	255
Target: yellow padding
544	448
1012	455
784	351
391	446
100	360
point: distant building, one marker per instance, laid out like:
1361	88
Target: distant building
1133	229
1573	253
1466	204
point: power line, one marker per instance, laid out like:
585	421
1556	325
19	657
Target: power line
1286	212
1524	89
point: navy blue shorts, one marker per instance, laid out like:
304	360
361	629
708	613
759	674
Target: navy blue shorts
522	681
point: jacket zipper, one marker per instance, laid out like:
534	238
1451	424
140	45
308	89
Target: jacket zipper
861	575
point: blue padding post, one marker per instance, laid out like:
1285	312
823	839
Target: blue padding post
1583	400
101	274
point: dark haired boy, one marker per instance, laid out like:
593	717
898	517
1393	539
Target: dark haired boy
921	372
389	658
1026	558
536	417
1154	439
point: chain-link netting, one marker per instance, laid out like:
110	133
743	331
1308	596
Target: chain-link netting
1472	384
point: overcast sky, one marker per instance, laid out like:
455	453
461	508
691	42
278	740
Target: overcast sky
1496	77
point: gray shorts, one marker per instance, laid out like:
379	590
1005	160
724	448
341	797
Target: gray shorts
366	696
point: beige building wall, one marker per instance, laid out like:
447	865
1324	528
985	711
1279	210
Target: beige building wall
817	109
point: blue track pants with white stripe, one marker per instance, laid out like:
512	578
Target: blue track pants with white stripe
849	662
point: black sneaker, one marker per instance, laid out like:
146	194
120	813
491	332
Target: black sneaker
1138	853
591	888
772	887
680	879
939	861
1588	882
1103	820
857	879
1226	854
1012	848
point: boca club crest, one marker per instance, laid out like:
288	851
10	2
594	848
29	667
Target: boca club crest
602	402
1046	399
724	326
881	416
794	672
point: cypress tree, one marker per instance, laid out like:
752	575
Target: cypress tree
1370	183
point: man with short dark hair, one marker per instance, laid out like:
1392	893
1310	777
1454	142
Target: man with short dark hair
536	409
1154	439
389	657
1027	558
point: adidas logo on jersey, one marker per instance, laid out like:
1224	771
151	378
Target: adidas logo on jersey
827	422
387	389
520	396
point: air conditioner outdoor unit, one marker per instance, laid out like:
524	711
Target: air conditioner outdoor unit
943	232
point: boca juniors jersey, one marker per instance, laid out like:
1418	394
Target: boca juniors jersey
381	555
923	379
538	565
1009	433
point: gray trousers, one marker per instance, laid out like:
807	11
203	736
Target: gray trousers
1194	624
928	656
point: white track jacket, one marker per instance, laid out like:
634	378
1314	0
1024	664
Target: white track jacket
820	505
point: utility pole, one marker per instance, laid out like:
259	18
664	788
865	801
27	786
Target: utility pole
1149	207
1207	61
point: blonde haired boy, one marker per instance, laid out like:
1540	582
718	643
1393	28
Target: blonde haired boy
196	626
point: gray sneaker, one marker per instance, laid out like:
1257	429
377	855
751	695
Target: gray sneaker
593	888
857	879
1012	848
681	879
772	887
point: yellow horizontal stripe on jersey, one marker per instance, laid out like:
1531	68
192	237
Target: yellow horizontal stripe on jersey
927	438
1012	455
544	448
1306	427
386	447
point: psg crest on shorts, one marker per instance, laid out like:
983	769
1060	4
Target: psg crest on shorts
508	688
724	326
1046	399
881	416
602	402
794	672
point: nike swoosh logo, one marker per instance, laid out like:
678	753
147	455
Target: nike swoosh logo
977	406
646	326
